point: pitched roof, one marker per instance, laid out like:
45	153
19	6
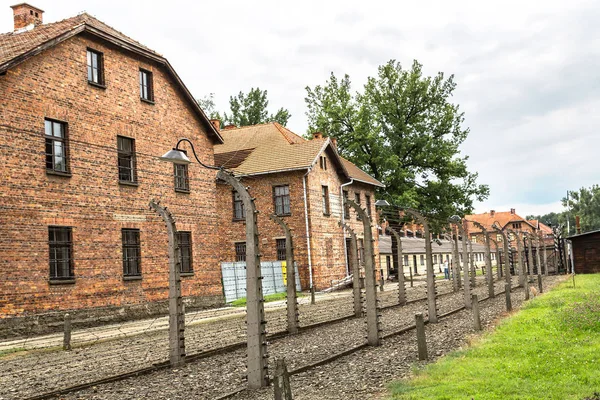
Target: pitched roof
486	219
16	47
269	148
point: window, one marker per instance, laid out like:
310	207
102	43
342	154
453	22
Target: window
185	251
95	67
130	239
182	181
368	205
357	201
435	258
405	260
126	151
346	206
281	199
422	259
325	196
499	237
56	146
361	251
146	87
323	162
516	225
61	250
281	252
239	212
473	239
240	251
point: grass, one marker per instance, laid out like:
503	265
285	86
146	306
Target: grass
548	350
270	297
11	351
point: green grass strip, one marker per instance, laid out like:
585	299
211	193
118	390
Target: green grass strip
548	350
270	297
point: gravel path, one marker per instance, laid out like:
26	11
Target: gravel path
361	375
40	372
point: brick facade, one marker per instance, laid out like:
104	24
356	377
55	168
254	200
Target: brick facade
54	85
326	237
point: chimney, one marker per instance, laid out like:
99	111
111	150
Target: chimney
577	224
512	211
492	212
216	123
334	142
25	15
228	127
317	135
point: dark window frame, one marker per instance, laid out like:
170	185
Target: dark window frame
121	155
181	176
239	211
99	67
346	206
280	246
54	247
357	201
240	256
146	81
51	139
325	200
282	212
186	259
323	163
131	271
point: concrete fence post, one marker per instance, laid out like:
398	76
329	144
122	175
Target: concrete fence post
531	259
176	314
488	264
520	263
472	263
355	268
421	340
292	299
467	288
67	332
372	306
432	312
545	255
507	295
401	287
476	316
456	261
281	381
312	294
255	312
540	288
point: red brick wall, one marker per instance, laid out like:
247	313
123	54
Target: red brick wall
326	237
54	85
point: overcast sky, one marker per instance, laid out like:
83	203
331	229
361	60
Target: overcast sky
527	71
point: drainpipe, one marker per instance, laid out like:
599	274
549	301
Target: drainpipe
343	221
310	273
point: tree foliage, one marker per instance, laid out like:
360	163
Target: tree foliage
252	109
402	129
584	203
207	104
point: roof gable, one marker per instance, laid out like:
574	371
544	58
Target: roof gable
17	47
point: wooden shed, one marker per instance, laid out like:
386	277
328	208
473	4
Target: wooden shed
586	252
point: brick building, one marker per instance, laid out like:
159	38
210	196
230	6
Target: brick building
301	180
86	111
506	219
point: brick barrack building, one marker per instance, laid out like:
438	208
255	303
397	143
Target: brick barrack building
85	112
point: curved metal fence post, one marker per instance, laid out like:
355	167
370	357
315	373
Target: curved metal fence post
355	269
292	303
465	263
401	287
255	312
176	314
372	306
432	313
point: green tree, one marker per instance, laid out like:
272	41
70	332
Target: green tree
207	104
251	109
551	219
403	129
584	203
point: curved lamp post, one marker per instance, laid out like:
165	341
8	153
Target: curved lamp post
256	327
488	257
456	220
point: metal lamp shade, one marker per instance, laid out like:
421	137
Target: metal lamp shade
176	157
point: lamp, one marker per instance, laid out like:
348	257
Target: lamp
177	156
